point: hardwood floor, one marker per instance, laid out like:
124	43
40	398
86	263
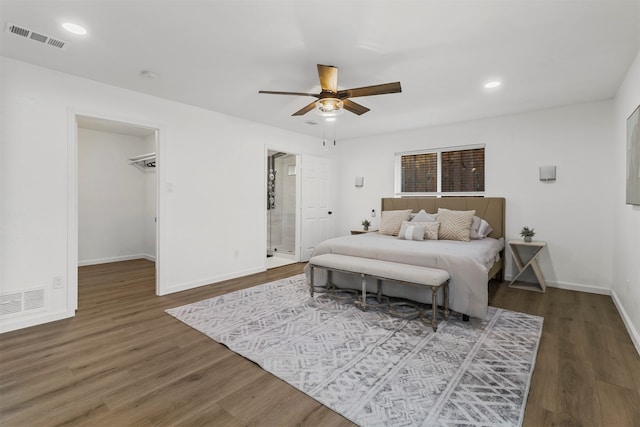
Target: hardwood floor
123	361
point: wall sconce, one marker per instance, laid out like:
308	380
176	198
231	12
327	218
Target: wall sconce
359	181
547	173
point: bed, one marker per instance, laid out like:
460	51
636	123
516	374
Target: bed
471	264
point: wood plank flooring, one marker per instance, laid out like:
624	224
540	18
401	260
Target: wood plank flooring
123	361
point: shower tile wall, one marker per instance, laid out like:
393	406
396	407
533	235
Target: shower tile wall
282	219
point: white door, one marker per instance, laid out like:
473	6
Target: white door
314	208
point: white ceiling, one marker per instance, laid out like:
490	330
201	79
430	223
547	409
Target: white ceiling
104	125
218	54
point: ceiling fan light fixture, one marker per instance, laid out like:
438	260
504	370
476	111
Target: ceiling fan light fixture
329	107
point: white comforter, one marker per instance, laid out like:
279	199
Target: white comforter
467	262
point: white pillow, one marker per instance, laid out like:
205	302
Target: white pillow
430	228
391	221
409	231
424	216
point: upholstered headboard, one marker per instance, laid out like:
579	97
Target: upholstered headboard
491	209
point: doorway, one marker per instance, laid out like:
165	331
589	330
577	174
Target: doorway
116	192
281	199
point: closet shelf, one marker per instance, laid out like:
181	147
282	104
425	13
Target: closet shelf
144	161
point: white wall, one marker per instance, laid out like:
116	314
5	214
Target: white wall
113	217
567	213
150	202
626	218
211	227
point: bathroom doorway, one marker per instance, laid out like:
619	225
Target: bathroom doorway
281	208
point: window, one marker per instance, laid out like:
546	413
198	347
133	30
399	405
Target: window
443	170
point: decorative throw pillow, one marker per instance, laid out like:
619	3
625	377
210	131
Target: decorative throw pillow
485	229
390	221
479	229
475	226
455	225
410	231
423	216
430	228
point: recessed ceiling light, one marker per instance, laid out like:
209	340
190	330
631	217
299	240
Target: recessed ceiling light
74	28
492	84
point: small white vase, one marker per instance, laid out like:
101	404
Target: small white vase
527	238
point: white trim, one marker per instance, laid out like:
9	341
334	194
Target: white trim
97	261
572	286
72	196
633	332
13	324
397	184
298	224
210	281
441	149
443	194
72	211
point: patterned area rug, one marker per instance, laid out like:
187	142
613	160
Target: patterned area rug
374	369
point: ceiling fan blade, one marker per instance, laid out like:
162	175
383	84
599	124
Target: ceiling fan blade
305	109
354	107
328	78
273	92
370	90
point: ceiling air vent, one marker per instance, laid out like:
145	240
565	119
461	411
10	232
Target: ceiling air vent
42	38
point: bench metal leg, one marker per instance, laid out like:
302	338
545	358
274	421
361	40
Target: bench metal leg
363	306
311	282
434	308
446	300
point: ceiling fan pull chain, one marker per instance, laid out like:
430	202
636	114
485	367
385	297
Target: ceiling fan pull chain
324	135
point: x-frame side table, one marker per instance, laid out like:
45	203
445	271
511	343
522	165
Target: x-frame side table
522	265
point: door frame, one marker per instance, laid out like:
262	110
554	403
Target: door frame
72	196
265	183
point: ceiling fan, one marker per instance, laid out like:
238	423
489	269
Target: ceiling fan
332	101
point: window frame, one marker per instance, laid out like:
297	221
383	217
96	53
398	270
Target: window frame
439	193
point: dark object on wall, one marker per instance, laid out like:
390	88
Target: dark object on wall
547	173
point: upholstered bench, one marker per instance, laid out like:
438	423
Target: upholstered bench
431	278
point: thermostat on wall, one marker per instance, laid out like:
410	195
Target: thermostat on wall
547	173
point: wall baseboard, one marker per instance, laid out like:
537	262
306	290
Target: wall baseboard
572	287
210	281
15	323
114	259
633	333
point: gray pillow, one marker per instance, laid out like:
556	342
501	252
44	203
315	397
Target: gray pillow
424	216
479	229
411	232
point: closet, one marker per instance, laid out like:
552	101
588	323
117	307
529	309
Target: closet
116	192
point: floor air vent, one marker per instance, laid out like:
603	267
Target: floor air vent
42	38
19	302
